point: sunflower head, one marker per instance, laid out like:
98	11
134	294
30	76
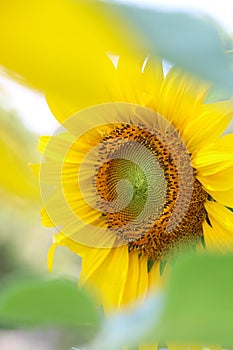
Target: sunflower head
123	177
141	174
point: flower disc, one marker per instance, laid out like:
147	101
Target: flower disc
121	174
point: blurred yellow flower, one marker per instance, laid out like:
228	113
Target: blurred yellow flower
15	175
46	41
168	143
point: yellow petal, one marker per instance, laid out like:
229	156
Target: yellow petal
221	220
216	238
154	278
177	347
214	164
43	142
35	169
67	104
92	259
142	287
62	240
221	214
110	285
215	157
45	219
15	176
223	197
220	181
207	124
131	285
130	77
59	43
180	97
50	258
148	347
152	78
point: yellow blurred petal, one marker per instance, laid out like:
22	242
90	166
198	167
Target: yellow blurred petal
43	143
78	98
154	278
180	97
59	38
35	169
221	220
152	81
110	285
177	347
214	164
207	125
148	347
130	290
221	181
50	258
143	277
61	240
15	175
152	78
214	157
223	197
45	219
130	77
217	239
124	84
221	214
92	259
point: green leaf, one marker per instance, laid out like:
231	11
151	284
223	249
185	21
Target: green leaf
192	42
197	308
46	302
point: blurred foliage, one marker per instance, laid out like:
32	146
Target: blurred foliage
197	308
40	301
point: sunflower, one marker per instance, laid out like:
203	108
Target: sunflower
139	171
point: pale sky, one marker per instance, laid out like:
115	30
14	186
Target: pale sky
31	106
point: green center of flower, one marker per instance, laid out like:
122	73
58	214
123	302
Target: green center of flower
137	178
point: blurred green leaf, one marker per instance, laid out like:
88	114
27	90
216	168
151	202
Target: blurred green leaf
197	309
199	306
44	302
192	42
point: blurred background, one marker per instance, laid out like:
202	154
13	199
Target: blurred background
24	242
